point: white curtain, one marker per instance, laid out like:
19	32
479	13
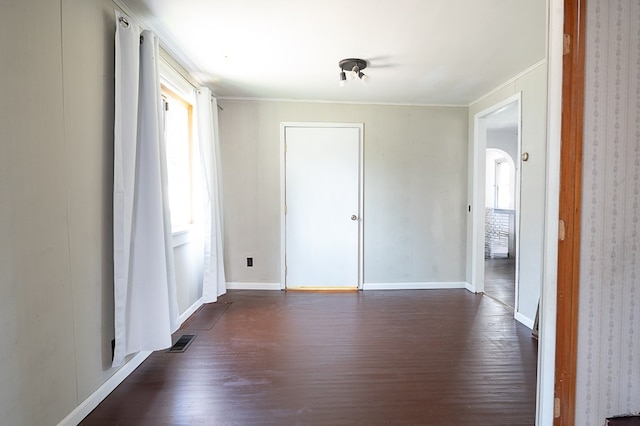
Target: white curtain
214	283
146	309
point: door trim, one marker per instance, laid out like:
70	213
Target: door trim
478	197
283	192
570	212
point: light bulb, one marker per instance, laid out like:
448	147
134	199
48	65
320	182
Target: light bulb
364	78
343	78
354	72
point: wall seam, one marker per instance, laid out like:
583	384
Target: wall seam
67	180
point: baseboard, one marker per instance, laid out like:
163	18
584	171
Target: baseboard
252	286
469	287
92	401
414	286
190	311
366	286
524	320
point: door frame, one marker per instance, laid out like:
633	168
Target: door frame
570	205
479	195
283	193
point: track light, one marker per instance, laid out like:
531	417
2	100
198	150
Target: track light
354	73
363	77
354	67
343	78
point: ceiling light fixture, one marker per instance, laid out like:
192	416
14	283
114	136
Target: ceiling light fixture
354	69
343	78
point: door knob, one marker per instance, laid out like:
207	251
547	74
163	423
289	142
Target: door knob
354	217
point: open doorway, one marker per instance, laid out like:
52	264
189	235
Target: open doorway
506	117
497	192
501	204
500	252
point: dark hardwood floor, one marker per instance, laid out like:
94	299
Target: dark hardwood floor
426	357
500	280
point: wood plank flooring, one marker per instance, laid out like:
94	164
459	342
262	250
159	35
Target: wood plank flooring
500	280
429	357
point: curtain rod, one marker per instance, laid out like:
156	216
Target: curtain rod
124	22
127	11
188	78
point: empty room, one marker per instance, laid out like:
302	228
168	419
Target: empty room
281	212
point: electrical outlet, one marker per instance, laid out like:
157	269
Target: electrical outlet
249	262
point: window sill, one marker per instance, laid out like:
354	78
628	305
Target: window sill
184	235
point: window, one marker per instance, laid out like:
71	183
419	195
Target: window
502	187
500	180
181	153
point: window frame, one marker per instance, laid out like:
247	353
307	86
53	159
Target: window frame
179	88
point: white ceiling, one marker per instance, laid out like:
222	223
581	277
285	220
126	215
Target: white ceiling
505	119
434	52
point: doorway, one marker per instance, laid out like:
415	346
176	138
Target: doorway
322	205
502	187
496	221
500	255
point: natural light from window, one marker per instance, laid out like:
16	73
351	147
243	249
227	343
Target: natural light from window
178	124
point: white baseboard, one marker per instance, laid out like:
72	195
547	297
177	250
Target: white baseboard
365	286
470	287
524	320
253	286
413	286
190	311
92	401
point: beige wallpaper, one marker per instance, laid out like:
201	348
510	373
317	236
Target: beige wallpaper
608	381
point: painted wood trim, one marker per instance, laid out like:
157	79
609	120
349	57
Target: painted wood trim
524	320
478	192
548	296
253	286
365	286
570	206
92	401
190	311
414	286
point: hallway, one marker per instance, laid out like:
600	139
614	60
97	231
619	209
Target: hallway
499	280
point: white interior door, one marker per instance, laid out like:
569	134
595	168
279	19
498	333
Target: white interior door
322	207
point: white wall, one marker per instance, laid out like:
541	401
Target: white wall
533	85
506	140
608	373
188	259
415	179
56	162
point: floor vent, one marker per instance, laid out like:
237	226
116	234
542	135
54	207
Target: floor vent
624	421
182	343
